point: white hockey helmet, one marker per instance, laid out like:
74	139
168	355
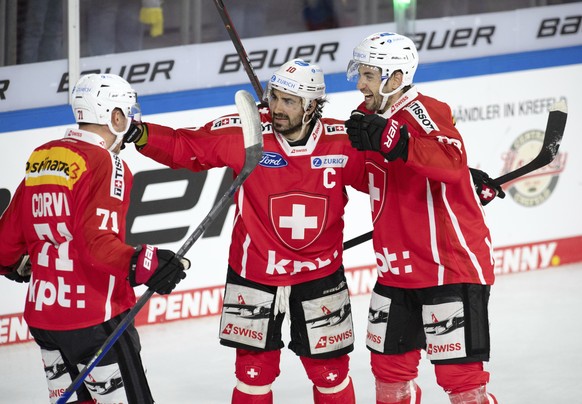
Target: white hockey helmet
95	96
387	51
297	77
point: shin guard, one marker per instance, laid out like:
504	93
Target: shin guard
239	397
326	373
257	368
397	393
474	396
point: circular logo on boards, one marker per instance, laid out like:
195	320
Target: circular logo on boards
536	187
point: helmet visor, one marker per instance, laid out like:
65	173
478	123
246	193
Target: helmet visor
353	71
135	112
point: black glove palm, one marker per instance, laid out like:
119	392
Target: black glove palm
372	132
365	131
16	277
21	270
137	133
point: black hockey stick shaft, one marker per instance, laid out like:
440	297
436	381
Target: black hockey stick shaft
253	152
244	58
552	139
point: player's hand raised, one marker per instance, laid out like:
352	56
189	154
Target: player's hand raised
372	132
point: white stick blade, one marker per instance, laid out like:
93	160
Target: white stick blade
559	106
250	119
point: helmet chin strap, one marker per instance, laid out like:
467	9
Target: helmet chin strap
118	135
303	131
385	96
307	118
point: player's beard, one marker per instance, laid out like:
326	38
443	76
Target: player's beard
291	128
373	103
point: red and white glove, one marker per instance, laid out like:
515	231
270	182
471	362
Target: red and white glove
372	132
160	270
486	187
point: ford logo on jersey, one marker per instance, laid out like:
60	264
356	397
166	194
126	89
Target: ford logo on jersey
272	160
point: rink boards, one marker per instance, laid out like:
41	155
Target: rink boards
537	226
500	103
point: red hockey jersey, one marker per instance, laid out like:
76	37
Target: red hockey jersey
429	226
69	214
288	225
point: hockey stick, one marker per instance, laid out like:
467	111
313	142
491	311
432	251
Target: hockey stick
551	144
244	58
253	141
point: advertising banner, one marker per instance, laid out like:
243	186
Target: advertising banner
502	118
217	64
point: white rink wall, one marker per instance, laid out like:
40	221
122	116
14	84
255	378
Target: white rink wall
501	115
481	103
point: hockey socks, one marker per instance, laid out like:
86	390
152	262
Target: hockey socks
238	397
341	394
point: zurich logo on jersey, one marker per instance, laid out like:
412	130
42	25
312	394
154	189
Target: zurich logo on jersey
329	161
272	160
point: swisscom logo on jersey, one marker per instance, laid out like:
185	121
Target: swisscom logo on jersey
534	188
272	160
226	122
57	165
333	160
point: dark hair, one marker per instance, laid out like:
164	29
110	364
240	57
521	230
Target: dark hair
317	114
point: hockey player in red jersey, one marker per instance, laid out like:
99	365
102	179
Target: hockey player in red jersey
68	215
432	245
286	250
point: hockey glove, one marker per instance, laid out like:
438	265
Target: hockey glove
160	270
486	187
372	132
137	133
20	272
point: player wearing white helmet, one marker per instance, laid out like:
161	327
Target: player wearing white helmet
106	99
299	78
286	250
388	53
433	247
68	215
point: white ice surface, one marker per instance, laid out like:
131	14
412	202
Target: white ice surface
535	359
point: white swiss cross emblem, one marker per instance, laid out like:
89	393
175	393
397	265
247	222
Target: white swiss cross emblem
253	371
331	376
376	188
487	193
298	219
